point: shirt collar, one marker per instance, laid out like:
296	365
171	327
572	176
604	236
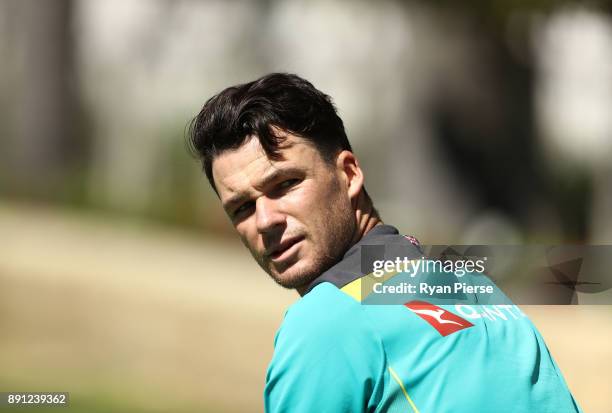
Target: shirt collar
347	269
373	236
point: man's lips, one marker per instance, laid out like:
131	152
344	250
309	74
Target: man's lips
277	251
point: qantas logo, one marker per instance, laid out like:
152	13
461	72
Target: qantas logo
437	315
442	320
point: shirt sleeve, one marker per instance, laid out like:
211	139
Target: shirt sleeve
325	363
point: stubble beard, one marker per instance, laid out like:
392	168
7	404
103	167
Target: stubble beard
338	228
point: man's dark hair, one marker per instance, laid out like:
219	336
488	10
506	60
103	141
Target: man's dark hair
281	100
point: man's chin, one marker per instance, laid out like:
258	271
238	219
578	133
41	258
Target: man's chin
294	277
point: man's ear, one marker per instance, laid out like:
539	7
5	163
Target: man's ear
349	168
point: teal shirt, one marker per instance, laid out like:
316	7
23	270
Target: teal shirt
334	354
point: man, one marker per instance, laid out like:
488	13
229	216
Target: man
276	153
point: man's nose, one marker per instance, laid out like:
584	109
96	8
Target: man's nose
267	214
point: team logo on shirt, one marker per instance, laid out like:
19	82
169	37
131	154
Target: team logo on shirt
442	320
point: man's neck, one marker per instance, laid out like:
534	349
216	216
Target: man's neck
367	218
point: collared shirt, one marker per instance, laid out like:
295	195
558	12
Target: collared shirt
335	354
348	269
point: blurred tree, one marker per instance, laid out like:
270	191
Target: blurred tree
47	149
486	129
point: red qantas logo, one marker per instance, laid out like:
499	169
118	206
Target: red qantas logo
442	320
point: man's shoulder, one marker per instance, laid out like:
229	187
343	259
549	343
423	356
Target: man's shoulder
326	356
324	316
325	306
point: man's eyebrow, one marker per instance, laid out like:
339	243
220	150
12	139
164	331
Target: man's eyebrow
277	173
273	175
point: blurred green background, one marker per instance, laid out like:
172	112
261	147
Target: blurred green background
121	280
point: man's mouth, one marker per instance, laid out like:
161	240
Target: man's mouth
285	249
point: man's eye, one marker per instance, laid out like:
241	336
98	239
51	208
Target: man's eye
288	183
243	208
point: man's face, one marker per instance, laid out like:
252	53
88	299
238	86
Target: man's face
294	214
